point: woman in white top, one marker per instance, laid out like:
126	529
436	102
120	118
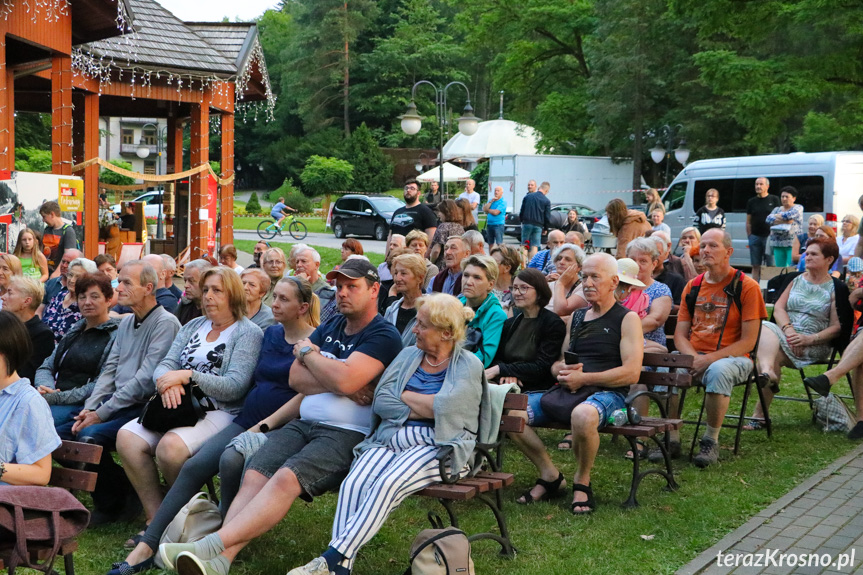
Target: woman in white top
848	241
217	353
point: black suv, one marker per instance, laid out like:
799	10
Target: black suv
363	215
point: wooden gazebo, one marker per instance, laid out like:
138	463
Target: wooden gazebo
82	59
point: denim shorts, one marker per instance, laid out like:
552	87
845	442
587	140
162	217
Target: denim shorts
531	236
758	251
495	233
319	455
605	402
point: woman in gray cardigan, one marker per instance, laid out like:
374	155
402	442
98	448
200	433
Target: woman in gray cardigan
428	404
217	353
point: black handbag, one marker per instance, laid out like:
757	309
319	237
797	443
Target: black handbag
194	405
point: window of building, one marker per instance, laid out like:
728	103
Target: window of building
128	136
148	136
149	167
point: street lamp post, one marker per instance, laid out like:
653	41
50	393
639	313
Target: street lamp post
681	153
412	121
143	152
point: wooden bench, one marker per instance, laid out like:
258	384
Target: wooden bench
653	428
73	456
486	486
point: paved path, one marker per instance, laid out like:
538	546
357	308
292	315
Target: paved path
823	515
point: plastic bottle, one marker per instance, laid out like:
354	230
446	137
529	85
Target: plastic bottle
619	417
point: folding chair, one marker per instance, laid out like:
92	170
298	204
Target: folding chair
747	384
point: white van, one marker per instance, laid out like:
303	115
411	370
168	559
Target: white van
828	183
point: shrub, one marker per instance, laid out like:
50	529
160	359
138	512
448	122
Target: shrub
253	206
293	197
326	176
109	177
32	160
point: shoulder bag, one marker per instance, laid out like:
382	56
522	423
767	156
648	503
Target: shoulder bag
194	405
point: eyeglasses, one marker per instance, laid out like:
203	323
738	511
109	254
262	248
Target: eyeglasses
409	188
522	288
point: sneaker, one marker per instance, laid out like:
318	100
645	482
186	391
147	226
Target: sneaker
856	432
317	566
190	564
168	553
655	454
708	453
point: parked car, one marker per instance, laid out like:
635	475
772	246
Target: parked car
512	223
362	215
151	201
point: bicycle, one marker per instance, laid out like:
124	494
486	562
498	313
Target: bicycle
268	229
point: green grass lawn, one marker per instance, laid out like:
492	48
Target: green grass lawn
708	505
330	257
314	224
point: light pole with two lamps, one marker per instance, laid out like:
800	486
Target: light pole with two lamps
143	152
681	154
412	121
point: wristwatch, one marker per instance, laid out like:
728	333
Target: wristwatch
304	351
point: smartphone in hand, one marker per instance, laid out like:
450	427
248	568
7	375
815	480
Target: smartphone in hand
570	358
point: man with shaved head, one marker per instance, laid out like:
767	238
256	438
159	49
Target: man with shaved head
542	260
607	339
718	325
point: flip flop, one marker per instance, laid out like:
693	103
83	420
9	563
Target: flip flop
642	451
566	442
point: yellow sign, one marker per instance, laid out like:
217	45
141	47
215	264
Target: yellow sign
71	195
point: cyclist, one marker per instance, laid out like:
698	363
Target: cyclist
278	212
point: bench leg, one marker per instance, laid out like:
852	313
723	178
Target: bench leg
697	426
503	539
69	564
453	518
638	475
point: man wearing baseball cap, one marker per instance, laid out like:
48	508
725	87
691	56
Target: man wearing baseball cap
336	370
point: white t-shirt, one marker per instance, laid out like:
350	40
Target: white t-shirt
206	356
472	197
847	246
336	410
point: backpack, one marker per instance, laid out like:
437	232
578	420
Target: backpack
831	414
197	519
734	290
440	551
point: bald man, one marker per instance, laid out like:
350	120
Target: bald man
542	260
495	210
607	339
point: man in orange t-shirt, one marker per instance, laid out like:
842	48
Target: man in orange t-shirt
720	344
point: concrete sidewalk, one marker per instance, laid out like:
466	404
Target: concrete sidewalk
823	515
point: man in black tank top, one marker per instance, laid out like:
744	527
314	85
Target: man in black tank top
608	340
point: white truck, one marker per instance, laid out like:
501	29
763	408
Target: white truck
583	180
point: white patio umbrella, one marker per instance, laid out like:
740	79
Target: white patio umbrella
451	173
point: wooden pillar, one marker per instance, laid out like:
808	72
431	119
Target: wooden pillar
61	115
174	145
7	112
78	128
226	231
91	176
200	154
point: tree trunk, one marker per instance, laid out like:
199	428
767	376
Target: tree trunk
637	147
346	87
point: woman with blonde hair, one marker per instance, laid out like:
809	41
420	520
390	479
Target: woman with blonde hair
417	241
28	249
429	398
217	353
271	401
798	256
408	274
478	276
10	266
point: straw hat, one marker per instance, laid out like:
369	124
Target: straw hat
627	272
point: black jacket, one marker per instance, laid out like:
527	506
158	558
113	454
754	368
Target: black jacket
536	374
42	339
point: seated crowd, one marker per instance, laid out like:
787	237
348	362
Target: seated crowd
352	381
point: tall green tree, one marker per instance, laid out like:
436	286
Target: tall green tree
321	57
373	170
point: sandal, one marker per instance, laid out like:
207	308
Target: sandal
590	503
642	451
565	444
133	541
754	425
552	490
